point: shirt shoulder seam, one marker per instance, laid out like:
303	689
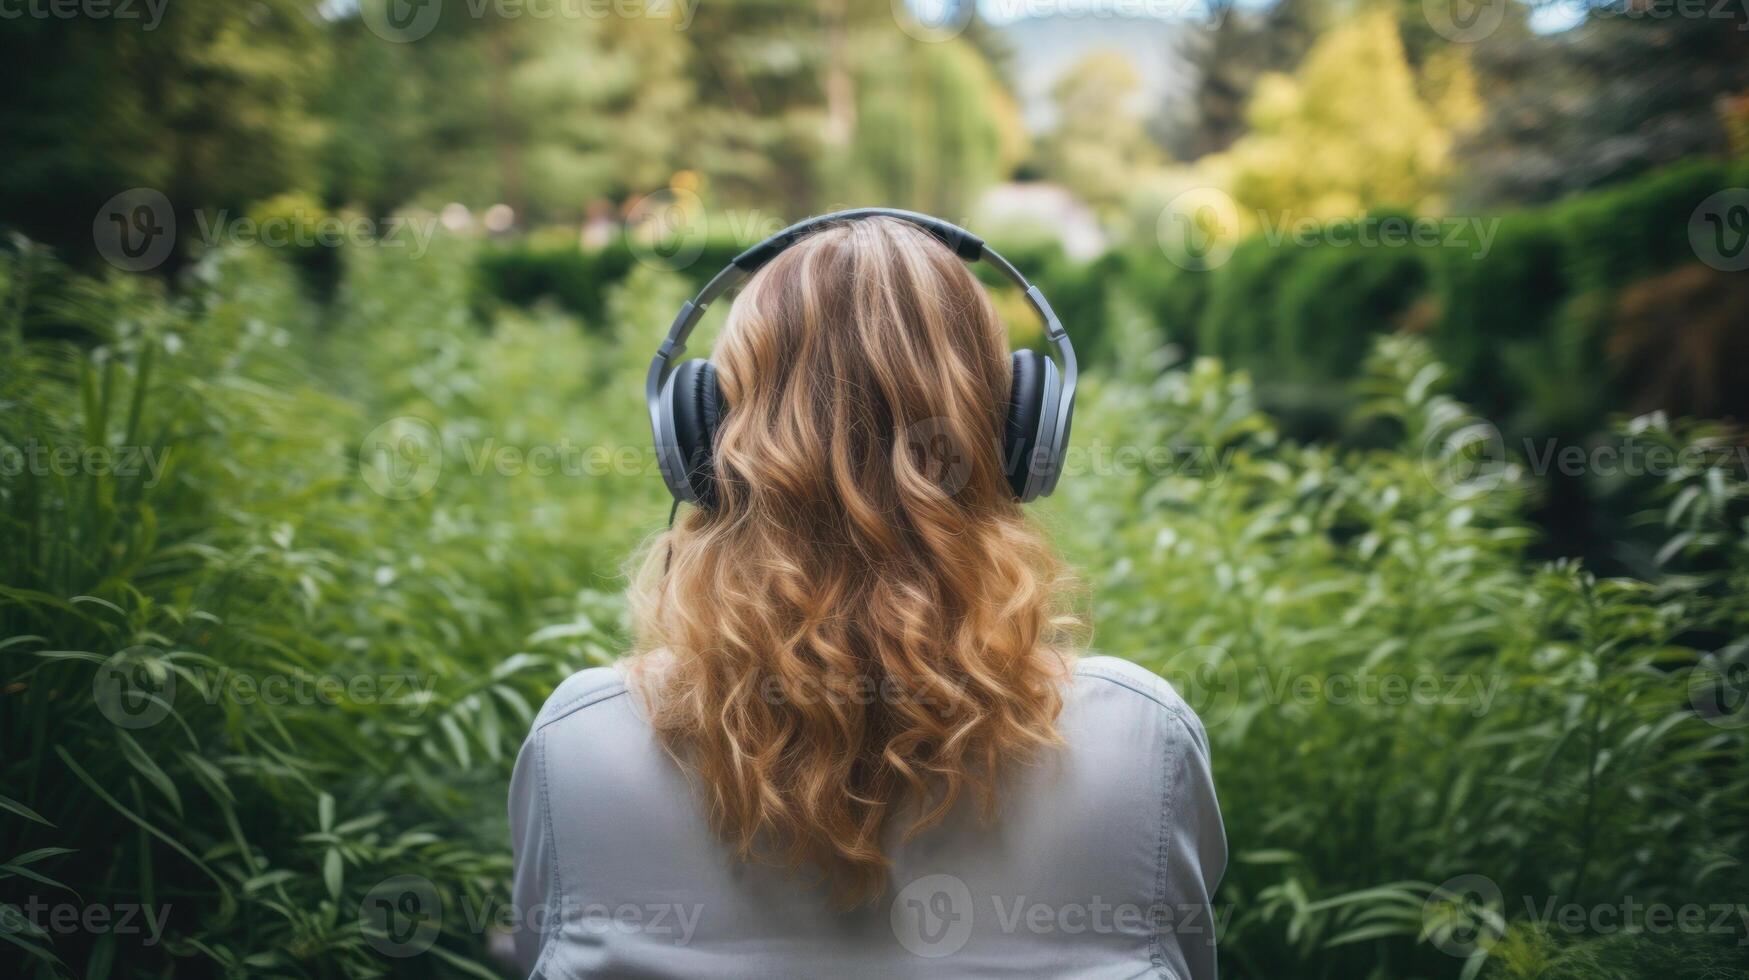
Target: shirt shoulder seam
552	841
1175	710
593	696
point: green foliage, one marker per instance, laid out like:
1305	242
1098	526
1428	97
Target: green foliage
1304	315
1492	309
1098	145
209	103
556	111
1530	954
1337	298
934	127
1354	128
1238	324
1556	748
344	676
1562	753
1516	305
1174	298
524	272
1533	313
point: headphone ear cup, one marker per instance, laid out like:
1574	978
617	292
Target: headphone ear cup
696	405
1026	398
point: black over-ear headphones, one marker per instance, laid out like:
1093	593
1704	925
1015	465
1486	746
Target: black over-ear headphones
686	404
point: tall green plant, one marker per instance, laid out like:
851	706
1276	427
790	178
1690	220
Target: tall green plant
1401	704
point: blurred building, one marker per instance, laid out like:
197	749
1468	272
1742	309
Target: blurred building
1040	211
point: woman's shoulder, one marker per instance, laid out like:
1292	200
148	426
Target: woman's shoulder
595	734
1116	686
1125	687
579	692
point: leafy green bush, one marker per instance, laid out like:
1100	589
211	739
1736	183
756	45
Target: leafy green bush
1174	298
1620	234
1520	322
243	686
1532	954
1238	323
1557	749
1515	321
1335	299
1496	310
578	280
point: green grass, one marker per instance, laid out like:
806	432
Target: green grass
340	668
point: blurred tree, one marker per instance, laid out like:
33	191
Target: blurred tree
1678	344
1240	47
934	126
1354	128
785	104
1628	91
599	110
761	69
542	113
1734	112
378	140
1100	143
209	105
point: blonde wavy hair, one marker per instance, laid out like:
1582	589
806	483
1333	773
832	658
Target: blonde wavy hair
866	626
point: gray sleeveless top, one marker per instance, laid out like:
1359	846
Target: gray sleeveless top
1100	862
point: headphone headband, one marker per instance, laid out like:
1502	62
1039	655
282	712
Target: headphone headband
962	243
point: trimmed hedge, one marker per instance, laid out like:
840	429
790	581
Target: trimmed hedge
1517	324
1526	327
523	273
